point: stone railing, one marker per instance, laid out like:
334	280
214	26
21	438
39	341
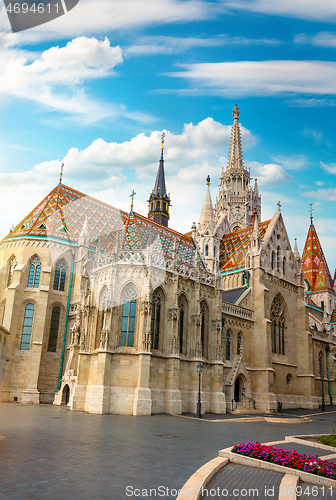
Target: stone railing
238	311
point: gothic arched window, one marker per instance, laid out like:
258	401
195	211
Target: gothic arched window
156	320
60	273
102	305
278	258
228	346
27	327
128	318
11	267
204	329
284	265
239	342
206	250
34	272
54	326
157	205
278	326
182	306
321	363
272	259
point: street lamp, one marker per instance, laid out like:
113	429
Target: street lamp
199	371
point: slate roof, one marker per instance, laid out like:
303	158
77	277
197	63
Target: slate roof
234	246
62	213
314	265
231	296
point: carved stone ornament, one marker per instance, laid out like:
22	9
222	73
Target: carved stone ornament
82	342
175	347
197	318
76	329
146	342
173	313
104	339
199	349
217	323
219	353
146	307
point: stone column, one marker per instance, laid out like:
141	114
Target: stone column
173	401
217	397
142	402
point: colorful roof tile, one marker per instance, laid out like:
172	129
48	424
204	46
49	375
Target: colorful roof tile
333	317
314	265
234	246
62	213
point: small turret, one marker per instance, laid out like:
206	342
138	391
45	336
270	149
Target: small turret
159	200
207	218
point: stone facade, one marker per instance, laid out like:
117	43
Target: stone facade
110	312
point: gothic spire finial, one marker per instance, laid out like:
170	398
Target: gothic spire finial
279	206
61	174
235	153
311	210
235	112
132	202
208	180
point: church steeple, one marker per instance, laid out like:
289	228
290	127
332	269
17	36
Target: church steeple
235	154
236	199
159	200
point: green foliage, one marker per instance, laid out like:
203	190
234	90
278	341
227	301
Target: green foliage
329	439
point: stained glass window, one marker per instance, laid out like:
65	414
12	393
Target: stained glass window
34	273
60	274
27	327
54	326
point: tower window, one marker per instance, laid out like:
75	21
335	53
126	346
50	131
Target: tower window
60	273
155	320
54	325
128	324
27	327
206	250
157	205
34	273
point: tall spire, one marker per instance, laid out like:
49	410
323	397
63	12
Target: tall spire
235	153
207	218
236	198
61	174
159	200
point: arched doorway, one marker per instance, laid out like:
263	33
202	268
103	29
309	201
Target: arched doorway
237	390
66	395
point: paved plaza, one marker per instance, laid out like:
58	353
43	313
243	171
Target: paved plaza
51	453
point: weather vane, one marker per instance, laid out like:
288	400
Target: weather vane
132	202
311	210
163	135
208	180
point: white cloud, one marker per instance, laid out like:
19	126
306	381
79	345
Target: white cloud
262	77
311	103
152	45
102	16
109	171
269	174
319	183
293	162
315	134
322	194
313	10
55	78
329	167
323	39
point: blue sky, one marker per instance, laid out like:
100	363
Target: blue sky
96	87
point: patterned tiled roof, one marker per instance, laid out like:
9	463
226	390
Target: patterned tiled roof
312	303
62	213
234	246
333	317
314	265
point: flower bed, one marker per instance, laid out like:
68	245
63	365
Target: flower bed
292	459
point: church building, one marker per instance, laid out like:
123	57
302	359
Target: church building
112	312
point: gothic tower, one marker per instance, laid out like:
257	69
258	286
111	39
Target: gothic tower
159	200
236	198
